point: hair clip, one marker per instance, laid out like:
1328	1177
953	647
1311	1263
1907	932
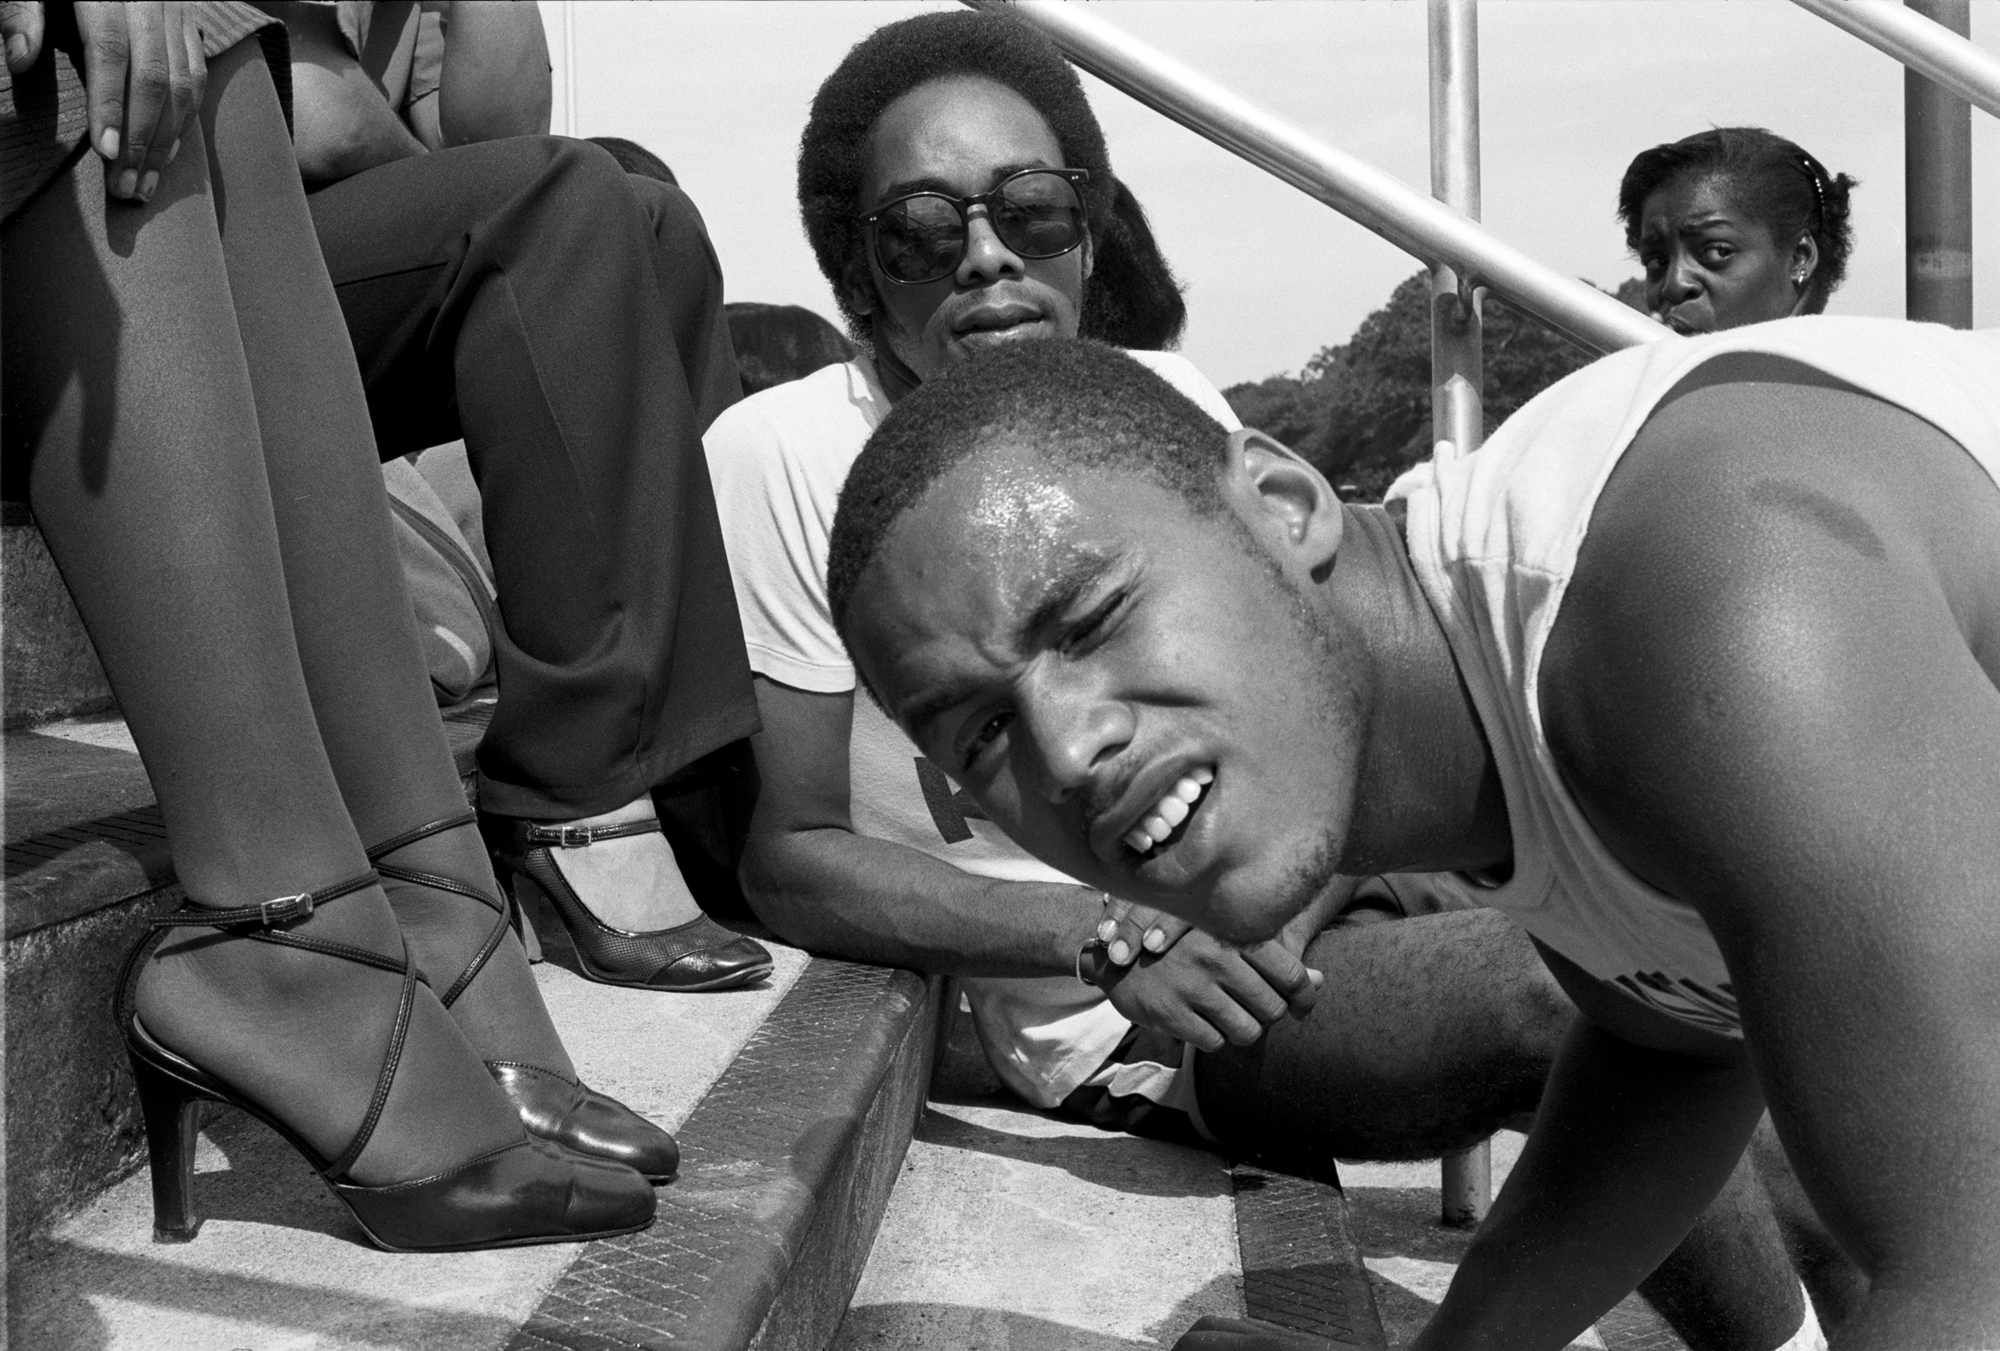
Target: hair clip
1813	172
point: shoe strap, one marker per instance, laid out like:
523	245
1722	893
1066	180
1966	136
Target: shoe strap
494	938
440	882
422	832
566	836
261	920
265	914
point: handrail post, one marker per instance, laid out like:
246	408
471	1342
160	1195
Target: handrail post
1457	415
1409	219
1937	186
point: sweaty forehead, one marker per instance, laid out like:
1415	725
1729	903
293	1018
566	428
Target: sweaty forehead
997	541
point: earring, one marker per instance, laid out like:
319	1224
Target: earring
1799	277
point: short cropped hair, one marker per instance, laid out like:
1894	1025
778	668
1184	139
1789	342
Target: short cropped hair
1084	405
1776	183
1131	300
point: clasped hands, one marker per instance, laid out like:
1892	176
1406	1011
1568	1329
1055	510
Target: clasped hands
143	73
1170	976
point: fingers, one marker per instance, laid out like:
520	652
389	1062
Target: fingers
1165	931
1286	976
1130	929
144	74
21	30
149	81
1203	992
1122	930
106	54
187	76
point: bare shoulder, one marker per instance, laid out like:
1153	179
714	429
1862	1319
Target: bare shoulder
1779	575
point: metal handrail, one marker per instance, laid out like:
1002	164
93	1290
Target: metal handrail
1358	190
1929	48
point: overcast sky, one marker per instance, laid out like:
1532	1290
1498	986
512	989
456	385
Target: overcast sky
1570	91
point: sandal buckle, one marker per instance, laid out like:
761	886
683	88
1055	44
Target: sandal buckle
284	909
568	837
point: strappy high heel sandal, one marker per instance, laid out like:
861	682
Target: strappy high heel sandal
528	1192
697	955
552	1105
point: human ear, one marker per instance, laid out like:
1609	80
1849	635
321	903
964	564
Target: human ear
857	283
1805	261
1285	500
1089	254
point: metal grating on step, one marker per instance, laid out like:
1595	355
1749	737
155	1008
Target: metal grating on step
131	830
708	1269
1301	1267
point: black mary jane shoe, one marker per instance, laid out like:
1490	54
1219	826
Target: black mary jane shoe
697	955
551	1105
529	1192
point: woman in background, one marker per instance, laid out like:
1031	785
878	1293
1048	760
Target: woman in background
1734	226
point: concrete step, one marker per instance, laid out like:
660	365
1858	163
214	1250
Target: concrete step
1015	1230
86	863
48	668
793	1102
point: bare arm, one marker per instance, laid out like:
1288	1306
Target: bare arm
1796	584
1629	1147
342	122
817	883
495	81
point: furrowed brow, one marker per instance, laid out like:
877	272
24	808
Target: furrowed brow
1077	575
921	713
1059	594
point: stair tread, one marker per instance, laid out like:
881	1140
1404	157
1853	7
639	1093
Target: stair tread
766	1088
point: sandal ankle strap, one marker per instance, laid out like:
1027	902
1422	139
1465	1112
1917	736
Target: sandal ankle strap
422	832
567	836
266	914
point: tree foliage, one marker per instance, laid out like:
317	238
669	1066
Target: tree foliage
1361	411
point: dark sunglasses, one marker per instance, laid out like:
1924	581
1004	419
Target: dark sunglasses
1038	213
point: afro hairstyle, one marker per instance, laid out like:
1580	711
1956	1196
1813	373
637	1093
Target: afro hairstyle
1131	299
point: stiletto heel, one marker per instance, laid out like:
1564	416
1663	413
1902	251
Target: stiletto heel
172	1113
551	1105
697	955
527	1192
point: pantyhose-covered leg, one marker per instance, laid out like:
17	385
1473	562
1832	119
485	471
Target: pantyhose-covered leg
356	635
127	380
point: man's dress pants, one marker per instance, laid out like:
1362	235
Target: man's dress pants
566	320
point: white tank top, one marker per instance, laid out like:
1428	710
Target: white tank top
1494	536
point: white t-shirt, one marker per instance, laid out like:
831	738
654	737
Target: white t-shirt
777	460
1494	539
